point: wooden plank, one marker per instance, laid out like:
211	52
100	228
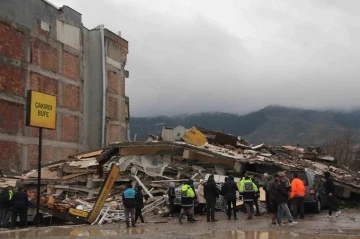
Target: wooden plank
143	186
62	215
74	175
89	155
104	192
79	213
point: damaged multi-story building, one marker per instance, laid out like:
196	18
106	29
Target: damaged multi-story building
48	49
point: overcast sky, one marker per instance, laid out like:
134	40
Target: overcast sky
189	56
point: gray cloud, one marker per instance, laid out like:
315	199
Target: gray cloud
184	60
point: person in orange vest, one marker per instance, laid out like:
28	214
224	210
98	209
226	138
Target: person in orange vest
297	195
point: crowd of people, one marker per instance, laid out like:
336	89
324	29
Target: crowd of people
13	205
282	197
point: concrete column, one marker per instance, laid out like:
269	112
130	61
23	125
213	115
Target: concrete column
24	157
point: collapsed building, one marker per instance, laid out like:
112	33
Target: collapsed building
75	183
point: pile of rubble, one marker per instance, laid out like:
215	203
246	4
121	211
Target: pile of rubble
72	186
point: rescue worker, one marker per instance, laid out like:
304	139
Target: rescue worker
297	195
248	191
257	196
242	180
211	194
8	195
272	195
191	183
128	199
201	197
187	201
282	198
331	197
229	192
139	205
19	203
172	196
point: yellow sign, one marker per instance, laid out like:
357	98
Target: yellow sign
105	190
40	110
77	212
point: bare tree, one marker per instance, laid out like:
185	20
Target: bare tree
342	147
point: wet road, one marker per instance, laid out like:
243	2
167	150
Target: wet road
347	226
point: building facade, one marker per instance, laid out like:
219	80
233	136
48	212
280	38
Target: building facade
48	49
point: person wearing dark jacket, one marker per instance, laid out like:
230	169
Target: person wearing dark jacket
229	192
331	197
172	196
282	197
223	199
19	204
4	205
272	195
267	179
211	194
139	204
223	185
128	198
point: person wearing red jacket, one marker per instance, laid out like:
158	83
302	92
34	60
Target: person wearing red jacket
297	195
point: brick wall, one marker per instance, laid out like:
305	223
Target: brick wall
43	55
10	157
48	155
31	57
114	133
40	58
67	152
46	133
12	80
113	82
12	42
122	87
122	110
71	66
70	128
43	84
112	107
11	117
70	97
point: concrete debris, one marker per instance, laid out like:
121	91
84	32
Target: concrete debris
70	188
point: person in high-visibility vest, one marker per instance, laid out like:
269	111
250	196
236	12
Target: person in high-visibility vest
187	201
242	180
248	190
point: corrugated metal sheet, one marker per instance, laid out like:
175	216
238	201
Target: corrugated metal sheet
194	137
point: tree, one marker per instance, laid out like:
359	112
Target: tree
343	146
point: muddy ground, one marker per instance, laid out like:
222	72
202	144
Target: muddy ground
314	226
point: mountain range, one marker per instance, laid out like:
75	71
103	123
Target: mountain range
274	125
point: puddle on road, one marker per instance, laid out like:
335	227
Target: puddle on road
99	233
70	232
269	235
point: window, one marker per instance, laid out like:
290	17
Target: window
302	175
